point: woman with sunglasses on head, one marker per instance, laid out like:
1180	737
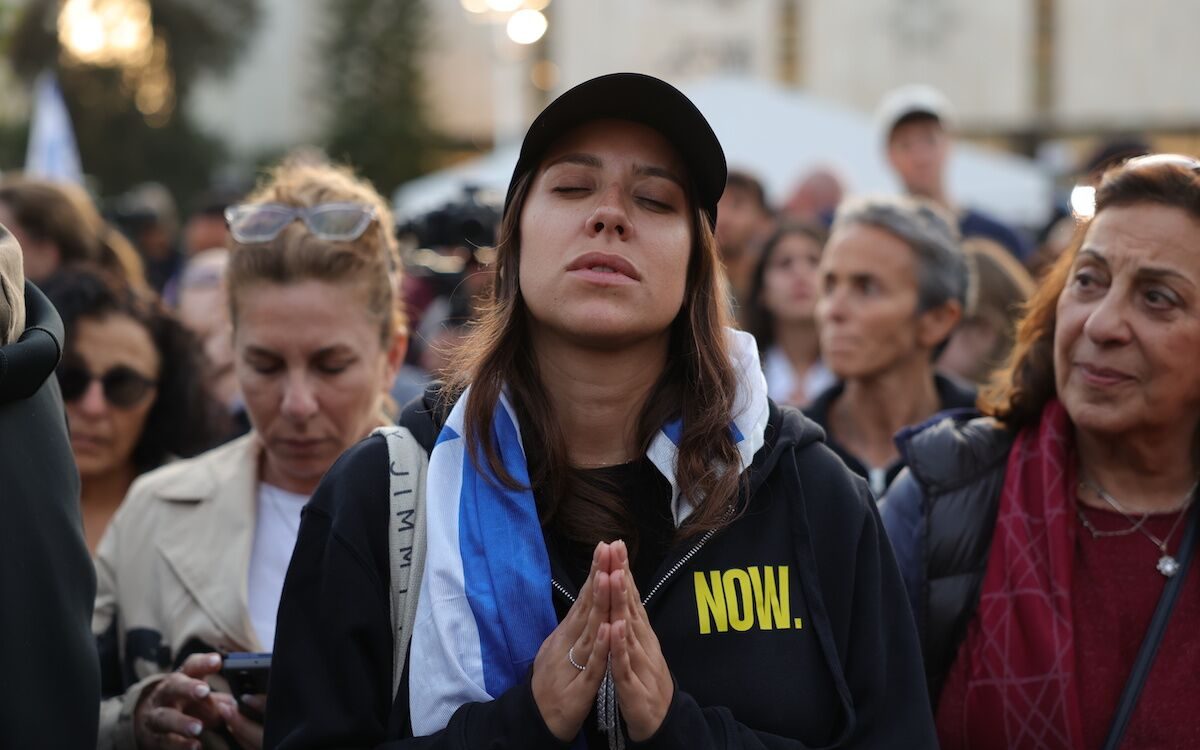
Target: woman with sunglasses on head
193	563
627	541
131	386
1066	515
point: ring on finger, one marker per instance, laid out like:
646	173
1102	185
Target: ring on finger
571	658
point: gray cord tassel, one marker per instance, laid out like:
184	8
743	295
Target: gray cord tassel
608	713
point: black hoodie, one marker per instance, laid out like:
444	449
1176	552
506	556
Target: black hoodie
787	629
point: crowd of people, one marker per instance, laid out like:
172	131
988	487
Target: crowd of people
643	461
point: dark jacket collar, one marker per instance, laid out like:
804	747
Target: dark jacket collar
954	449
952	395
26	364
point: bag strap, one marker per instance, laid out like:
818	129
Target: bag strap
407	467
1153	637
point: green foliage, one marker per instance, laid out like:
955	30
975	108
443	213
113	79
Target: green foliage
372	89
117	144
14	138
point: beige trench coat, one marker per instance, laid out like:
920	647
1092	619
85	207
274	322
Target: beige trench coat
172	567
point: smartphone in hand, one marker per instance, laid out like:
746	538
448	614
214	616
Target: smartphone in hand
247	674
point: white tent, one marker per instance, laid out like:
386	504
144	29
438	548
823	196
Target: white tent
780	135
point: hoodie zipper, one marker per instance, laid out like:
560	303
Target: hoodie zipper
661	582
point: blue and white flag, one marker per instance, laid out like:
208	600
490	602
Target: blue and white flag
52	153
486	604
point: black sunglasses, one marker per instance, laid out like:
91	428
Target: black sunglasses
123	386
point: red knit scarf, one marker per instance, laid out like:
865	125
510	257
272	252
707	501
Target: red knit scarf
1017	660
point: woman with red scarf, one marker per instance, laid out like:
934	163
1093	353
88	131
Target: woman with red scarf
1047	547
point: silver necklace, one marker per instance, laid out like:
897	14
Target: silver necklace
1167	564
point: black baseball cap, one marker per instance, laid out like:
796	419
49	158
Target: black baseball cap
638	98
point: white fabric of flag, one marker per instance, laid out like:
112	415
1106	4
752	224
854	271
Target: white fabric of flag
52	153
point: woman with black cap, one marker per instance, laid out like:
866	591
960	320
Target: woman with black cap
627	542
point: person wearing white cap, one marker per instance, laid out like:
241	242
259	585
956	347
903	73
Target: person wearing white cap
916	121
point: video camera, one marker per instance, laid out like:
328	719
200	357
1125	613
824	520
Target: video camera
469	222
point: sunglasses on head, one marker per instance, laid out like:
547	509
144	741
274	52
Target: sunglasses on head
1154	160
333	222
123	386
1083	197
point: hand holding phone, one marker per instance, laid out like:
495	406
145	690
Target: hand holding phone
247	674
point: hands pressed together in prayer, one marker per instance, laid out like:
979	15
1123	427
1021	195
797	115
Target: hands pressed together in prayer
607	619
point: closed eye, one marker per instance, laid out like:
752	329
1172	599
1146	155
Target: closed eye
265	367
655	205
334	368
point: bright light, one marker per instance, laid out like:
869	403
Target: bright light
118	34
535	4
475	6
106	32
526	26
504	6
1083	202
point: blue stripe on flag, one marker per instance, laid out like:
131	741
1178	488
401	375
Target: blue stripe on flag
505	564
674	431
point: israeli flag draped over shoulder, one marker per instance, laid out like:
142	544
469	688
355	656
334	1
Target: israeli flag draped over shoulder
486	598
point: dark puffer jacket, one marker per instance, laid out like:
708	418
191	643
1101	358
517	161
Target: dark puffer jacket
940	515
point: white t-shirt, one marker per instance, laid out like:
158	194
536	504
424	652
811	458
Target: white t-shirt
782	385
275	534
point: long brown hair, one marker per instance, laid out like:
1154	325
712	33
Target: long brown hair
697	385
760	322
1017	394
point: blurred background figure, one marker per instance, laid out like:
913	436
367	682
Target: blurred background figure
147	214
47	578
999	287
816	197
447	268
58	226
743	221
1059	231
130	378
893	287
205	227
916	121
782	317
203	308
318	335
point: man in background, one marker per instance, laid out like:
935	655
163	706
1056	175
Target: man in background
916	121
743	221
47	582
